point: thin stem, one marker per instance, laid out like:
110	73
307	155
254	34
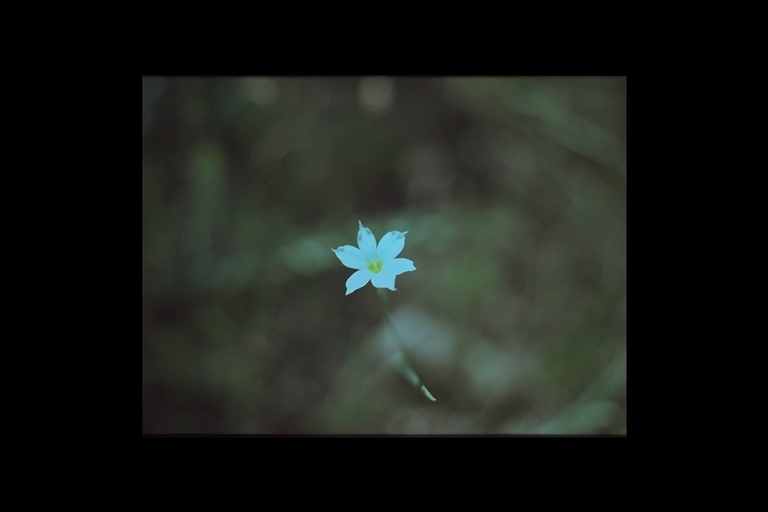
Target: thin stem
384	300
404	365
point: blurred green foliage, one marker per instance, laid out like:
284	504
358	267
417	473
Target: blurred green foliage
513	193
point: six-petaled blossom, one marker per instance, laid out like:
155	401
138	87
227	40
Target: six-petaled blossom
378	264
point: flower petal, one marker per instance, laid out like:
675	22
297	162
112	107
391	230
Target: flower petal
390	245
358	280
366	241
384	279
399	265
390	270
351	257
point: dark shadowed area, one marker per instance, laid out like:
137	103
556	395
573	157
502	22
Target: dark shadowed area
513	194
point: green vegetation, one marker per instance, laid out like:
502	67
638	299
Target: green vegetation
513	193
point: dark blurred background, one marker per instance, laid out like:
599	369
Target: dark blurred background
513	193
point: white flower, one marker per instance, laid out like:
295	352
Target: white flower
378	264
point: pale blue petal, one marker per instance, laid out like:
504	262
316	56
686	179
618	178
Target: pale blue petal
390	270
351	257
399	265
358	280
390	245
366	241
384	279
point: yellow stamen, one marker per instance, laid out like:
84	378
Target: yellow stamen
375	266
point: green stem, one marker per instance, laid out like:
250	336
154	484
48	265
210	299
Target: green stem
384	300
404	365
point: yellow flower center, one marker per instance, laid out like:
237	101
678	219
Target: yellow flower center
374	266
